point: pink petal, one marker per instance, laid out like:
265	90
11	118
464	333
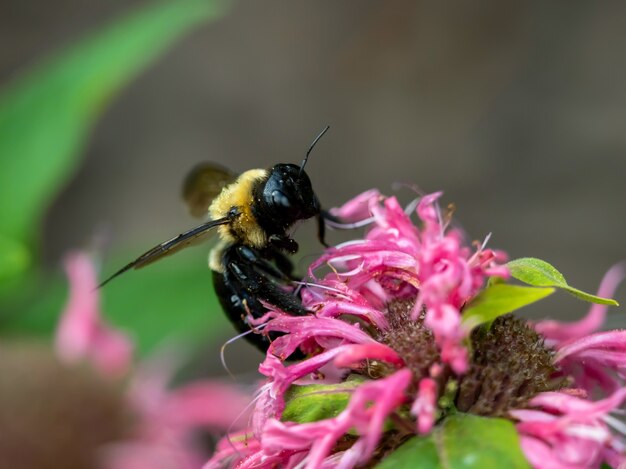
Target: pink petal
581	408
208	404
541	456
612	341
302	328
426	208
357	208
147	455
82	334
375	351
231	449
425	406
369	407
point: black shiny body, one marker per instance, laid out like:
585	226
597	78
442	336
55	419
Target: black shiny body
252	275
249	278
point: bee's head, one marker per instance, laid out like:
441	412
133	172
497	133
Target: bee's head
288	195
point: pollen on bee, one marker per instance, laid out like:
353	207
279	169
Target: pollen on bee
239	194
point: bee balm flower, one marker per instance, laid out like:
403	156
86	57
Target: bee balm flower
388	359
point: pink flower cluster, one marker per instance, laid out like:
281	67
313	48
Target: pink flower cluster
398	260
568	429
395	261
164	420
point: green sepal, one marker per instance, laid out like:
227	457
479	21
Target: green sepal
314	402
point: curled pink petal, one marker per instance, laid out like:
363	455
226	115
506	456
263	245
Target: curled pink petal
375	351
357	208
367	410
605	342
302	328
582	408
541	456
82	334
424	407
568	430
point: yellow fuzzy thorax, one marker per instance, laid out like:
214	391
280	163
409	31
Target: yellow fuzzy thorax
239	194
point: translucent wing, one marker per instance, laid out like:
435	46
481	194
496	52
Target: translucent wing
183	240
203	184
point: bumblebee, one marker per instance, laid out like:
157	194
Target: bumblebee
252	214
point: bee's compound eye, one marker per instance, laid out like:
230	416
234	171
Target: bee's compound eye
280	199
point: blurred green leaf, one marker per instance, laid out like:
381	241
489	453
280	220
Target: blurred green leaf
461	441
542	274
172	300
14	257
499	299
45	116
314	402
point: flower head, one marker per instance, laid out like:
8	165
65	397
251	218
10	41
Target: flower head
387	329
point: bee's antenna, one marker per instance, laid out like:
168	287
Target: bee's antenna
306	158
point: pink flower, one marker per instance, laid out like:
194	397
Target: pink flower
82	333
164	420
386	317
569	431
386	295
397	260
568	428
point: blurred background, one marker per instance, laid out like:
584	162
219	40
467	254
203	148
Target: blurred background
517	110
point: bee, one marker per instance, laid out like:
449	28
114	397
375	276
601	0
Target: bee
252	214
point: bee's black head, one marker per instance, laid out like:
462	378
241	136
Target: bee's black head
285	197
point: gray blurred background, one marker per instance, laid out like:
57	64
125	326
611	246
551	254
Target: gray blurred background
517	110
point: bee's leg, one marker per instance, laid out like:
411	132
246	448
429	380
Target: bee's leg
283	268
283	242
263	265
237	304
284	264
261	286
321	227
244	264
241	287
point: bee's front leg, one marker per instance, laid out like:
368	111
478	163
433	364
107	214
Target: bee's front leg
284	242
249	272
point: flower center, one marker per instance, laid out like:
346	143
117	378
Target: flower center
414	342
509	364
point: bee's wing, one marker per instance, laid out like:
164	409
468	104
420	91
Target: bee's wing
203	183
183	240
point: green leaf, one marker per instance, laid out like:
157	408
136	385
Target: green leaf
542	274
314	402
461	441
499	299
14	258
46	115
